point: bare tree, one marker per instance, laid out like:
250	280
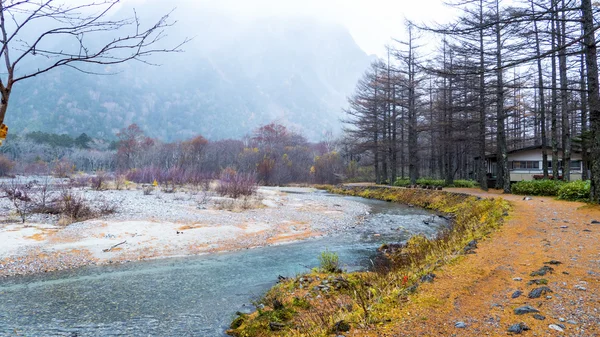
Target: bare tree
41	35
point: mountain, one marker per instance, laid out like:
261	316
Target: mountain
234	75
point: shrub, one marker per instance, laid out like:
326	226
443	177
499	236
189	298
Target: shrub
329	262
98	182
542	187
461	183
6	166
402	182
235	185
437	182
63	169
575	191
431	182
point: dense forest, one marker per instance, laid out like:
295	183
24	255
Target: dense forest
504	76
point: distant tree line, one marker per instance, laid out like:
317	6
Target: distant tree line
505	75
273	154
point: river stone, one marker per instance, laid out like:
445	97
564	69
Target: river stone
341	326
539	317
554	262
516	294
428	278
595	222
518	328
538	292
556	327
460	325
274	326
542	271
526	309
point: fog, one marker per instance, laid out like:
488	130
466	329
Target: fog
372	23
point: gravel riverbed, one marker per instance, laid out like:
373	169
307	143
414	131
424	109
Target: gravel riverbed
168	224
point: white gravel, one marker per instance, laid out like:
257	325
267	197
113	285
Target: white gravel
170	224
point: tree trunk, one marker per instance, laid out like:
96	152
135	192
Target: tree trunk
584	122
593	96
502	151
554	127
542	94
482	167
564	97
413	159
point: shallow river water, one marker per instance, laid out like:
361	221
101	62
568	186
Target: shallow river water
192	296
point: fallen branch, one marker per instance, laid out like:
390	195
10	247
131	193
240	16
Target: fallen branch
113	247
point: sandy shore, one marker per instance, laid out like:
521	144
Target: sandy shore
167	225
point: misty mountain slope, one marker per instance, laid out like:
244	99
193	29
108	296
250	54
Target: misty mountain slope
233	77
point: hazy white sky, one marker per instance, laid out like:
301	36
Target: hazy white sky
371	22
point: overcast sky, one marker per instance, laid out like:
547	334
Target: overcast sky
371	22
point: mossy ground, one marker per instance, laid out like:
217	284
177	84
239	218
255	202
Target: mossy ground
315	304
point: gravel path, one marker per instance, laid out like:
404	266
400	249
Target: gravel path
546	257
168	224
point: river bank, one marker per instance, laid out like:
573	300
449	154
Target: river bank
167	225
538	274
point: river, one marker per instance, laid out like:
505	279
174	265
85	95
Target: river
192	296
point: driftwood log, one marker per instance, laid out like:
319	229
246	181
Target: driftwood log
113	247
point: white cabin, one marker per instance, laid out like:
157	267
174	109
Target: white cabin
526	163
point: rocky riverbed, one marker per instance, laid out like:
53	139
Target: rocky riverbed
161	224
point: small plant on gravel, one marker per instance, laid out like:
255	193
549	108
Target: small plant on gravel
329	262
203	199
18	194
147	189
73	206
235	185
6	166
120	182
63	169
98	182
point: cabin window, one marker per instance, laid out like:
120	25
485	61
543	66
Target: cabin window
524	165
576	165
550	164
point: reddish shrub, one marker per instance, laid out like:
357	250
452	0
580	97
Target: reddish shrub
6	166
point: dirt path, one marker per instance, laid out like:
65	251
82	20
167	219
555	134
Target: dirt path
478	289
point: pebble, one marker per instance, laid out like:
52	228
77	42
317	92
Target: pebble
460	325
539	317
518	328
525	310
516	294
517	279
556	327
572	322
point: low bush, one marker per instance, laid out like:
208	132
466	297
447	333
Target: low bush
6	166
400	182
542	187
235	185
403	182
329	262
63	169
575	191
461	183
431	182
